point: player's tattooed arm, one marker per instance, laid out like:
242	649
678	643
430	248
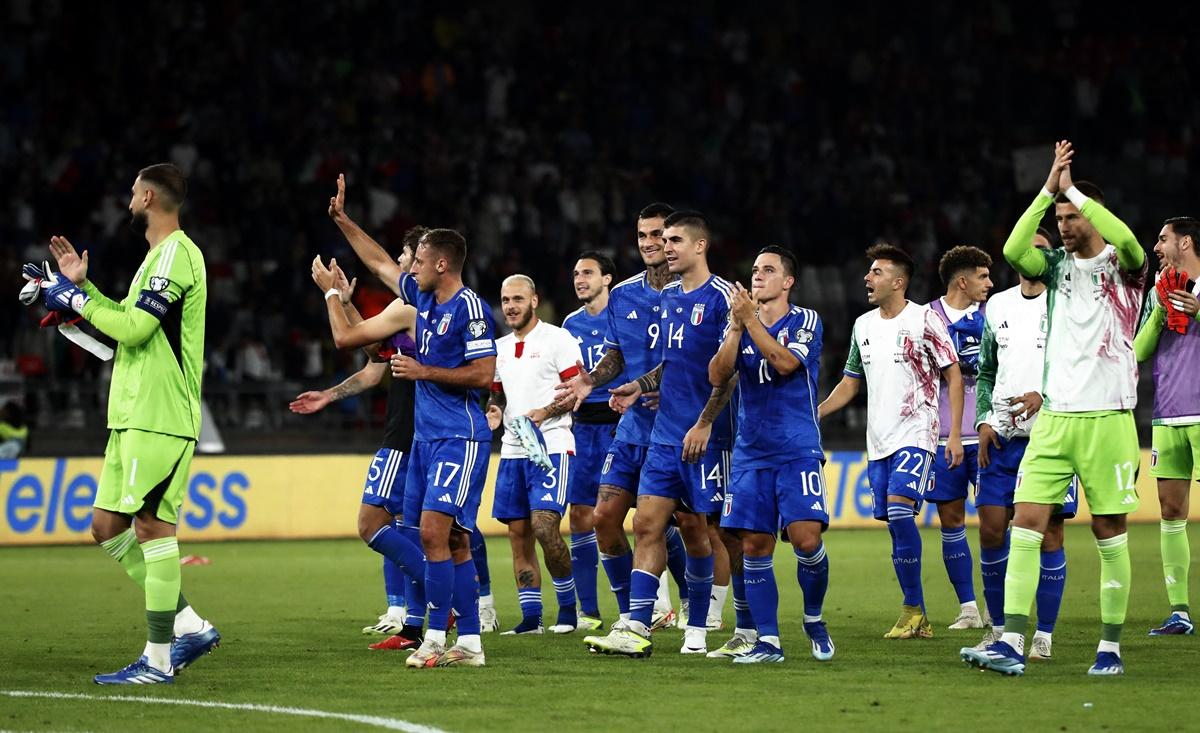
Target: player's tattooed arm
571	393
717	401
309	402
610	366
549	412
651	381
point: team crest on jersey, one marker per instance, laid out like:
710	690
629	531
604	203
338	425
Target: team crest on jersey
697	314
159	284
782	338
443	325
476	327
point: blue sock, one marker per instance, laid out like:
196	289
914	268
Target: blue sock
1050	588
439	591
762	594
677	559
531	603
618	569
415	610
741	608
479	555
956	554
585	556
699	583
906	551
564	590
395	584
812	573
993	563
466	598
643	589
397	547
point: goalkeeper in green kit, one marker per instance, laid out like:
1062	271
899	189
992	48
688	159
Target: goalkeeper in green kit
153	414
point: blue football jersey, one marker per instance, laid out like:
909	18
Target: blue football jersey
777	421
692	325
634	328
588	331
449	335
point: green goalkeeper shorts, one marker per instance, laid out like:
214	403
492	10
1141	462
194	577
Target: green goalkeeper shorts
1176	453
1102	449
144	470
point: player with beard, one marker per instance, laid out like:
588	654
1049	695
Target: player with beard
632	343
531	494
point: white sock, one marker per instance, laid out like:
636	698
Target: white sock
716	606
1109	646
998	630
810	620
971	605
158	656
188	621
470	642
436	635
751	634
638	627
772	640
488	601
1042	635
396	611
663	601
625	616
1016	641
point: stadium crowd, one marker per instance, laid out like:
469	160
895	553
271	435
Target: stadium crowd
796	127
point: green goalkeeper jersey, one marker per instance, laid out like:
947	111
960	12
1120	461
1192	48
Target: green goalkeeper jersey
159	330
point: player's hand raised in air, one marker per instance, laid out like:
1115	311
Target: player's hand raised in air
323	276
1063	152
337	203
344	286
68	260
624	397
987	438
575	390
696	442
307	403
742	306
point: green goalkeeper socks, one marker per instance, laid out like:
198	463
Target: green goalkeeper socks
1176	560
162	587
1021	578
124	548
1115	576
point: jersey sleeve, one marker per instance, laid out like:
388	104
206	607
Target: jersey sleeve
1146	341
164	282
1019	250
408	288
98	297
854	366
985	380
805	340
938	341
612	339
1130	254
479	332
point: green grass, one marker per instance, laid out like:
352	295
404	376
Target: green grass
290	614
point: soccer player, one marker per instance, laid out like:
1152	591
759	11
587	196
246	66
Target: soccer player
777	478
530	498
1094	292
901	350
380	522
1011	358
632	343
593	425
1175	457
687	466
388	271
965	272
153	415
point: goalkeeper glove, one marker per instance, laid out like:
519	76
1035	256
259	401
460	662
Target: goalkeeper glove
60	293
1169	281
967	335
531	440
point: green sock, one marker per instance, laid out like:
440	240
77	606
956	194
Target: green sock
125	549
162	587
1114	584
1176	560
1021	578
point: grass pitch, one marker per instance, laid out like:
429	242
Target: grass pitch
290	614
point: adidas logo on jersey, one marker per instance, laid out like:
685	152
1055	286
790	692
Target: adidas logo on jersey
425	315
446	498
127	500
912	485
1129	500
748	350
547	497
816	506
632	316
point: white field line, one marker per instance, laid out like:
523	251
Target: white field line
373	720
